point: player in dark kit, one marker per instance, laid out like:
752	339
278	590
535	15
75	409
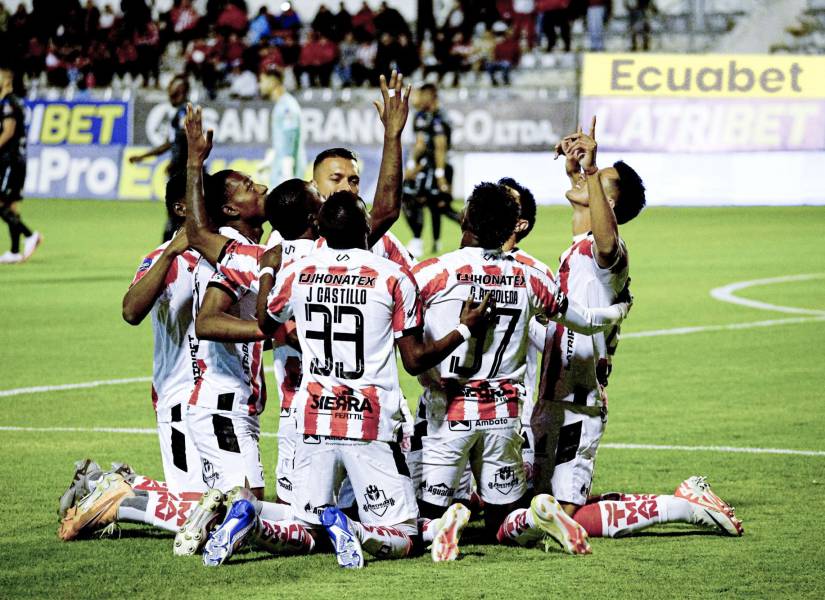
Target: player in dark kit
13	171
178	91
428	178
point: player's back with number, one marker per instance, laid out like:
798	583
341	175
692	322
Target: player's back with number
521	288
349	306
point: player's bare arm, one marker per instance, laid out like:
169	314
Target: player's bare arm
418	355
270	264
141	297
214	322
602	219
440	147
198	226
156	151
571	165
392	110
9	126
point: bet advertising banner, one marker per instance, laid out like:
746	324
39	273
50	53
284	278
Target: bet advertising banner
689	103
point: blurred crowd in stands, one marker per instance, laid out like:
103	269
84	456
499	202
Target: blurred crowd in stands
226	46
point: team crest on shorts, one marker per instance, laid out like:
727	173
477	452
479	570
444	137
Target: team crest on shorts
376	501
210	475
504	481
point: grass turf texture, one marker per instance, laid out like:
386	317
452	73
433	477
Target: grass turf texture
755	387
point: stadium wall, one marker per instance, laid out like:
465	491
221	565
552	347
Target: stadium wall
701	129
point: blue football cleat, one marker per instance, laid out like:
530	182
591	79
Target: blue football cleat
231	534
346	544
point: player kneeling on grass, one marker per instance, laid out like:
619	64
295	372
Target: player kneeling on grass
475	396
352	309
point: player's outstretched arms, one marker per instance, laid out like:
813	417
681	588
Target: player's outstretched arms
198	226
602	218
393	111
418	355
142	294
270	264
589	321
214	323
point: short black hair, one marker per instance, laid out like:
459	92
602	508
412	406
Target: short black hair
274	71
175	193
215	196
342	220
289	207
527	205
429	87
334	153
182	78
631	199
491	214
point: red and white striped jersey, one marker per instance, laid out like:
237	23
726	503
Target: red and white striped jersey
484	378
389	247
349	306
231	376
174	332
575	365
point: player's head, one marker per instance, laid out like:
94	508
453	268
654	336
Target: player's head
490	215
178	90
6	80
271	80
427	98
336	170
343	221
527	207
623	188
292	208
231	196
176	198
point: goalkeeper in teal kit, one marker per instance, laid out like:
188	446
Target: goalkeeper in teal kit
287	157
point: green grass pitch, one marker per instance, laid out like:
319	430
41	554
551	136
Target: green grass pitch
758	387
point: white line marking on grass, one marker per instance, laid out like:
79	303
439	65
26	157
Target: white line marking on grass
726	294
72	386
723	294
267	434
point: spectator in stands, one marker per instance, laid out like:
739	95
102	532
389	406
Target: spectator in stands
232	19
524	21
324	22
408	57
102	63
483	44
35	57
363	70
317	59
347	57
386	57
638	13
597	16
270	58
454	22
289	19
343	23
147	44
290	50
363	23
106	21
243	84
91	19
127	58
184	21
389	20
233	50
555	15
203	58
506	55
260	27
457	62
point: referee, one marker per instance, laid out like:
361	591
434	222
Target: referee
13	171
178	91
428	177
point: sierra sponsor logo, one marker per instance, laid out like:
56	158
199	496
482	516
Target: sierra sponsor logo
376	501
342	403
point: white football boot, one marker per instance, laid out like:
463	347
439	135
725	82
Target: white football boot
550	517
708	508
445	542
192	535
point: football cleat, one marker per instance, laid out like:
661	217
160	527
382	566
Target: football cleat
445	542
191	536
231	534
98	509
708	508
30	244
347	546
550	517
79	487
10	258
415	247
125	471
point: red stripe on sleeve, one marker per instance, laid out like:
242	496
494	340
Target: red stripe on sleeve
279	302
545	298
435	285
424	264
239	278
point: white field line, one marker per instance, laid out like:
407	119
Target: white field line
723	294
267	434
